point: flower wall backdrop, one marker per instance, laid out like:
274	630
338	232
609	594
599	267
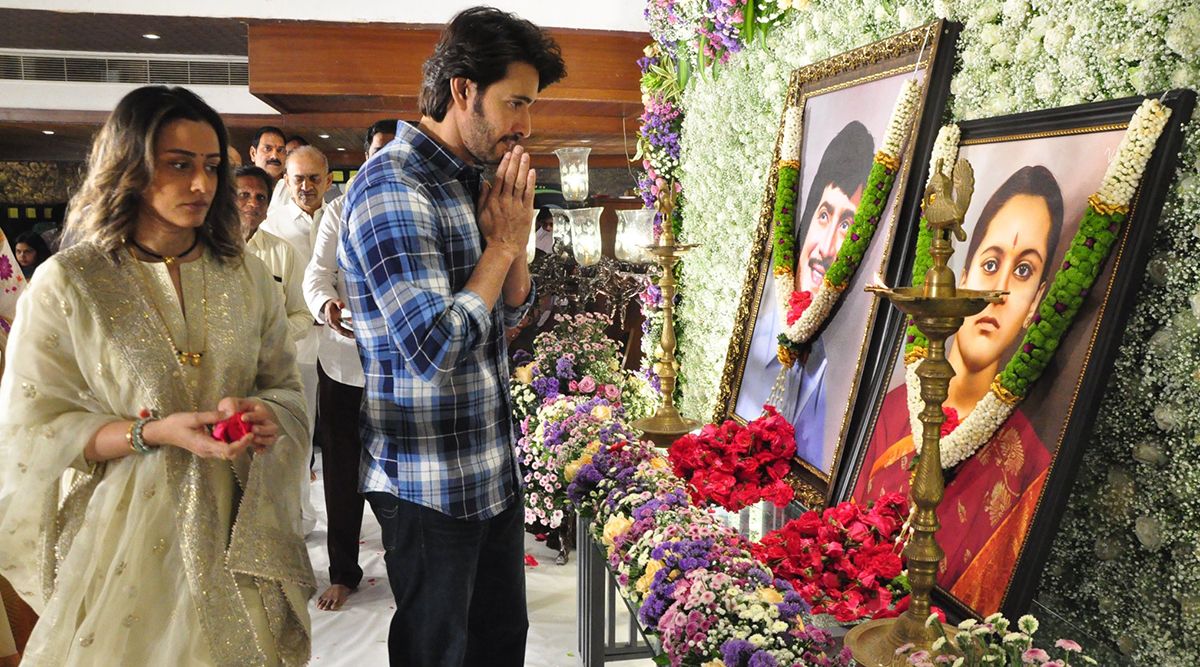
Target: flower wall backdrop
1126	565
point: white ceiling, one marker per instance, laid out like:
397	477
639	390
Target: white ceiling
622	15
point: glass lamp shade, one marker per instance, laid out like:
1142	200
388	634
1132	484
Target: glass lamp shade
573	172
585	234
635	231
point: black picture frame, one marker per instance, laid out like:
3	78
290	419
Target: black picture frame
930	47
1125	271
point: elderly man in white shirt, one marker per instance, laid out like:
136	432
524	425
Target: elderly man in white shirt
339	394
307	176
253	191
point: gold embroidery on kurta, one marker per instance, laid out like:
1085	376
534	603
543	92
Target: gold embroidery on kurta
962	511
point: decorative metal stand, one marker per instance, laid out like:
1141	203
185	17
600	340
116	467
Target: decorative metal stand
938	309
667	424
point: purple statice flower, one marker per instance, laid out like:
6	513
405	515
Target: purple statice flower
722	29
546	387
651	296
565	367
735	652
661	122
762	659
521	357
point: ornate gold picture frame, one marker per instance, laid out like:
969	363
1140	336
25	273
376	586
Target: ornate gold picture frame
846	102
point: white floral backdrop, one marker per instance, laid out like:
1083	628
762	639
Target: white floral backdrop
1126	566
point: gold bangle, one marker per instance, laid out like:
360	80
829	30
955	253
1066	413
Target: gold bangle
129	436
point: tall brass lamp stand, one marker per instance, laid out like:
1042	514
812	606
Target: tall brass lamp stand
667	424
938	309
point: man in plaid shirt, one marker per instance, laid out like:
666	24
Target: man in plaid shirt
435	269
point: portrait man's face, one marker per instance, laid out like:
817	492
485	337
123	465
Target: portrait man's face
829	224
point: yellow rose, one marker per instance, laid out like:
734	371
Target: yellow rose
602	412
659	463
643	583
770	595
714	663
525	373
614	528
593	447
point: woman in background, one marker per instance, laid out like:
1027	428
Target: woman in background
31	250
167	547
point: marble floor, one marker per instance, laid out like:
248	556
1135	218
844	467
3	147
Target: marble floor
356	635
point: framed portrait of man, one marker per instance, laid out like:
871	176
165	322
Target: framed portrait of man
845	104
1034	174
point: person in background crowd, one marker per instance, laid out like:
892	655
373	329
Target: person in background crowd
268	151
252	188
296	222
295	141
171	547
235	158
435	267
30	250
339	394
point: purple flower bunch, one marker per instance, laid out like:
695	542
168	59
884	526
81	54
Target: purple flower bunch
662	120
722	31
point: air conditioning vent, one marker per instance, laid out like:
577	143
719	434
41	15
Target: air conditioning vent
83	68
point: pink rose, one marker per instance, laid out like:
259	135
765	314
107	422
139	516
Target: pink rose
587	385
612	392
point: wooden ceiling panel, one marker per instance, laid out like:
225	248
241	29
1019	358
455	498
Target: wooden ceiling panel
318	69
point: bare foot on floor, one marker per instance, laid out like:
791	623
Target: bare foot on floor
334	597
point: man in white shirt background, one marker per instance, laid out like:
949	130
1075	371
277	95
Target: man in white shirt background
307	177
252	188
339	394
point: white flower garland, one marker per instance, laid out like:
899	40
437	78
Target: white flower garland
789	147
1124	173
1116	190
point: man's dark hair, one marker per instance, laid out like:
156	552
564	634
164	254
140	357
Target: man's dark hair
1035	181
845	165
298	139
267	129
479	44
257	172
386	126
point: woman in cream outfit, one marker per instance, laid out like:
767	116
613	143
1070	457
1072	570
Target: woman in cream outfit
146	541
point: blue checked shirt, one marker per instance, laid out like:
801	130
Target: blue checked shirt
436	419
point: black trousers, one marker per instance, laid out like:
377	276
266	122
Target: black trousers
341	452
459	586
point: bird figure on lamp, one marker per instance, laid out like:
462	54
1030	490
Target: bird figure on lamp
947	197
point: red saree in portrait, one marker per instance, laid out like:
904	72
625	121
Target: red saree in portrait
989	503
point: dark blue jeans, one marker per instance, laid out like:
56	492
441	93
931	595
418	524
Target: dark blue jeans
459	586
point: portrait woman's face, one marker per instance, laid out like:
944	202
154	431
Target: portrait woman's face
1010	257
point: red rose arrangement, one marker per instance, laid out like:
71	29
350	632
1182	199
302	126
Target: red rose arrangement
844	561
952	421
736	466
231	429
797	304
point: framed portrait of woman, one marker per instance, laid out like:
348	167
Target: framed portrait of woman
845	104
1034	174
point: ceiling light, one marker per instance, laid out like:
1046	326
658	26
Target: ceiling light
47	131
340	148
323	136
151	35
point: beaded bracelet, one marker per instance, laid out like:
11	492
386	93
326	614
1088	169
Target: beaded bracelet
134	435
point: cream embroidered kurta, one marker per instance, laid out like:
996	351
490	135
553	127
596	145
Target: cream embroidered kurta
166	558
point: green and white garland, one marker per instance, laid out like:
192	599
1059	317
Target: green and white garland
803	314
1089	250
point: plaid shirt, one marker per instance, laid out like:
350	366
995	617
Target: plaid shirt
436	419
